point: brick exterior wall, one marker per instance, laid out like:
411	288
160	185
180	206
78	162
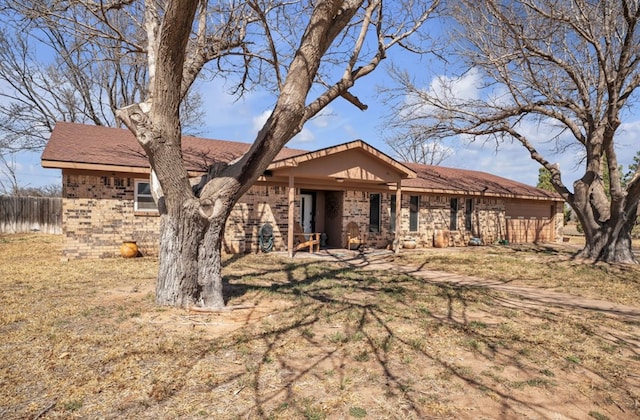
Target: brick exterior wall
487	218
261	204
98	215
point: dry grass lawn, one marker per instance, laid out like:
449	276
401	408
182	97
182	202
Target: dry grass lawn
84	339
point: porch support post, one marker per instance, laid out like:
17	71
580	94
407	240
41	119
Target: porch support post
396	241
292	202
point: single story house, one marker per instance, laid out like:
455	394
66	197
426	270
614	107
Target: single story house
107	198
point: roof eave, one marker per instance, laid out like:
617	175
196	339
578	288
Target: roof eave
57	164
479	194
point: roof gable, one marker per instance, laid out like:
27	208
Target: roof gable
355	161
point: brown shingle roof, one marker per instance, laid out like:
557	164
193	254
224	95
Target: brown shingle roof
90	144
442	179
72	143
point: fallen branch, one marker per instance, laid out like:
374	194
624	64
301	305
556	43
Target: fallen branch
200	309
44	410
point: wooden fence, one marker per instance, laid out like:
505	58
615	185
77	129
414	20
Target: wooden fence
30	214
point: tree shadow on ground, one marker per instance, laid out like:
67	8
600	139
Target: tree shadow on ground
405	347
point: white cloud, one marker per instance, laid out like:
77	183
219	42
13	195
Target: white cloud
452	90
324	118
627	144
305	136
228	117
29	172
464	88
259	120
324	121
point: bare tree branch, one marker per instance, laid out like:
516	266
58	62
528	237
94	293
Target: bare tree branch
570	64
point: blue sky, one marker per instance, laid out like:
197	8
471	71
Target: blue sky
229	118
342	122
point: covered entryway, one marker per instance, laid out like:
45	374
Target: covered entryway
322	211
317	182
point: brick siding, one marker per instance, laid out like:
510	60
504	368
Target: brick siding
98	215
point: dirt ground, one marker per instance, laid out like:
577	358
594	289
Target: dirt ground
335	336
570	396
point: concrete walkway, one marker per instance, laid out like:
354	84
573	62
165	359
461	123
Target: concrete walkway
522	296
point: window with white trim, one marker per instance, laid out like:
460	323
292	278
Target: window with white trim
142	198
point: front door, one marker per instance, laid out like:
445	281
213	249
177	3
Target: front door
306	212
333	218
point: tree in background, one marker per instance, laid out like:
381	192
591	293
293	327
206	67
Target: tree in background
70	61
544	180
571	66
412	145
633	169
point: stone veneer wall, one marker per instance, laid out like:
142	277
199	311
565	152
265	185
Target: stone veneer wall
559	222
98	215
488	218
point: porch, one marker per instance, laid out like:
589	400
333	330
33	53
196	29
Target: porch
319	186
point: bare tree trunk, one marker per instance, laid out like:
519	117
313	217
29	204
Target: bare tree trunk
193	221
607	233
190	267
605	245
181	233
210	266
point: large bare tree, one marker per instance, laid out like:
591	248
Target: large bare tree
76	61
572	66
321	46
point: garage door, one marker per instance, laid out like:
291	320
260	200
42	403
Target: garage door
529	221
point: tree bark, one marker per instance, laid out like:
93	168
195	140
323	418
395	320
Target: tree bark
607	246
192	221
210	280
181	233
190	267
607	234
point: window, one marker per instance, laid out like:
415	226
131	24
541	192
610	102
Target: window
374	212
468	214
143	200
392	220
453	217
414	210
